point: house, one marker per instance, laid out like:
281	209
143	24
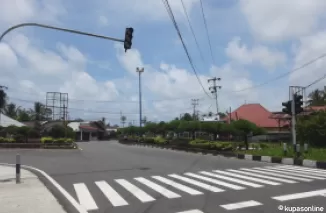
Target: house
6	121
258	115
88	131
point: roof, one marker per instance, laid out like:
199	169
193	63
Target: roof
6	121
254	113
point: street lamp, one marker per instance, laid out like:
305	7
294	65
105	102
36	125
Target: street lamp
140	70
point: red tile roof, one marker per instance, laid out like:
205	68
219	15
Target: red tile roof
88	127
254	113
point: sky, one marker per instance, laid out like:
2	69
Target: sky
252	42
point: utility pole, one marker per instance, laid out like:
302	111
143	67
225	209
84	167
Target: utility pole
2	88
140	101
194	103
213	90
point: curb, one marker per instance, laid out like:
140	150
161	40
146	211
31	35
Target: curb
267	159
69	204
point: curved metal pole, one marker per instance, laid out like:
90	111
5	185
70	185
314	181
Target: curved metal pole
59	29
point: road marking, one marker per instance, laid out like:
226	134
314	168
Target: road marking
314	171
192	211
295	174
222	183
197	183
264	176
248	178
111	194
243	182
160	189
269	172
178	185
310	174
84	196
240	205
137	192
300	195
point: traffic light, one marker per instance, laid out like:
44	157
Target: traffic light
287	107
128	38
298	103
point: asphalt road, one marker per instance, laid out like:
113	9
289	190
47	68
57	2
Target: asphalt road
111	177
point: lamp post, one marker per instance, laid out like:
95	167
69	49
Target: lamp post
140	70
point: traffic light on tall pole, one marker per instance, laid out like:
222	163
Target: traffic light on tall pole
128	38
287	107
298	103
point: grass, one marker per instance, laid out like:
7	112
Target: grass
276	150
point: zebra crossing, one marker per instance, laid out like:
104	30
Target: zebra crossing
174	186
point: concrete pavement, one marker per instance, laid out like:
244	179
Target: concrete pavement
111	177
30	195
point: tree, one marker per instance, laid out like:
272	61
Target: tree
123	120
23	115
40	112
3	99
186	117
244	128
11	110
317	98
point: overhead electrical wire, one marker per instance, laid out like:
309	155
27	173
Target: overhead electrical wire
315	81
192	30
170	12
206	27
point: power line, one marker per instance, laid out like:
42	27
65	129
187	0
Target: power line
192	30
316	81
205	23
170	12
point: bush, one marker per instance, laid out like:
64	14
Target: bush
6	140
159	140
33	133
47	140
149	140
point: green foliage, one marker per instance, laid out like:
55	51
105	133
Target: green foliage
6	140
59	131
47	140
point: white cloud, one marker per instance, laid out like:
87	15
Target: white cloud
281	20
259	54
103	21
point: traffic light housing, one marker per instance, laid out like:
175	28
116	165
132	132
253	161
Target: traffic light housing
298	104
128	38
287	107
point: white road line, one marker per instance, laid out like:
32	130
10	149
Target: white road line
160	189
313	175
304	169
277	175
240	205
197	183
222	183
84	196
243	182
263	176
192	211
248	178
137	192
177	185
293	173
300	195
111	194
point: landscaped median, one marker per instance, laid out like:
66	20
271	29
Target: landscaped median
44	142
267	152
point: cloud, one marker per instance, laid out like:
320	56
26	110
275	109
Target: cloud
258	54
282	20
103	21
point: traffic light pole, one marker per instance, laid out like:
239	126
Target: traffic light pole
293	122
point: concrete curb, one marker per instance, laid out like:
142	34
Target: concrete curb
69	204
268	159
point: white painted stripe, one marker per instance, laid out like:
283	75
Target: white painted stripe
111	194
295	173
304	169
137	192
248	178
84	196
197	183
277	175
177	185
160	189
222	183
300	195
192	211
240	205
243	182
263	176
314	175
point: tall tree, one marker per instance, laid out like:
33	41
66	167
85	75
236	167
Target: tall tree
3	99
186	117
317	98
24	115
11	110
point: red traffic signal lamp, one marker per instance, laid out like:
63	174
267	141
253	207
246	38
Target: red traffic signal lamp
128	38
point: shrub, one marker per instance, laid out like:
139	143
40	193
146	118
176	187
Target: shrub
159	140
6	140
19	138
149	140
47	140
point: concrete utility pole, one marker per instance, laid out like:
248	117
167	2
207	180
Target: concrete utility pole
140	101
2	88
213	90
194	103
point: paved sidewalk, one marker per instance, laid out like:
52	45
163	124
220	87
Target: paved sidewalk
30	196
